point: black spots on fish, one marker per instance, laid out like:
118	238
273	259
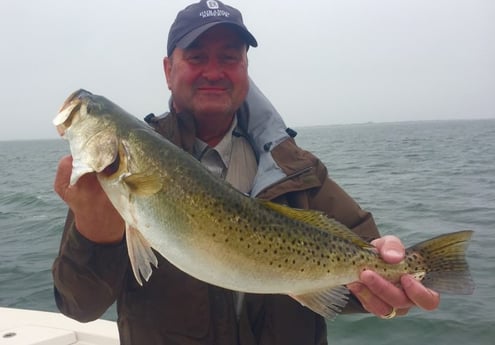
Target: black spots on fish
245	227
273	264
413	257
420	275
415	264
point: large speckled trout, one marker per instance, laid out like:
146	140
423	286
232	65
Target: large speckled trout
209	230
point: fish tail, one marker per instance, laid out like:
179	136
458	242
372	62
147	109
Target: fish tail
445	266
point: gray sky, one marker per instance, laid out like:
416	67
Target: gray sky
319	61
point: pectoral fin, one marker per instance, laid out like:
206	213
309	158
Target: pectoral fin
328	303
143	184
140	254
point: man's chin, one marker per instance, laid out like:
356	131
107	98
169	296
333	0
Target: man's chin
208	107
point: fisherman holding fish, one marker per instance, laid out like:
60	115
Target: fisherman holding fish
219	117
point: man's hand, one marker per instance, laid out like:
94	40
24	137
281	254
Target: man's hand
95	217
382	298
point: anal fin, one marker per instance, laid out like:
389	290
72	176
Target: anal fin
328	302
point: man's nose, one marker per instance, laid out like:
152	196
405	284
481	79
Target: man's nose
213	70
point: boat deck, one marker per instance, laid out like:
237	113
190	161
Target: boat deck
29	327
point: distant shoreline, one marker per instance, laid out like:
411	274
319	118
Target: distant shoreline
309	126
392	122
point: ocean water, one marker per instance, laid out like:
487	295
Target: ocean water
419	179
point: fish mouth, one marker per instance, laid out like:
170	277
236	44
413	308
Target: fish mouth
76	96
71	106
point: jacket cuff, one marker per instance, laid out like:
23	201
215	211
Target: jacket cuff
82	250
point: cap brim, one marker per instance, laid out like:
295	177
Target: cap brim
188	39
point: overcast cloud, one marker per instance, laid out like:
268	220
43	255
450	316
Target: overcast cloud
320	62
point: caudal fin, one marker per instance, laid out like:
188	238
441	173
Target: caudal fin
446	268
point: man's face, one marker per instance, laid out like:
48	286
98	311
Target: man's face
209	78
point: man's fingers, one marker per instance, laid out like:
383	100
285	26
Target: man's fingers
419	294
372	303
62	176
390	248
386	291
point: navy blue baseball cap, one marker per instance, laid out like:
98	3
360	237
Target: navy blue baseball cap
195	19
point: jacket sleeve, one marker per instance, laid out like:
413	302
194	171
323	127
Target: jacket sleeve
337	204
87	276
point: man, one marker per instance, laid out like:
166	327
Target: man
219	116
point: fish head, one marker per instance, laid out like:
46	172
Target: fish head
84	120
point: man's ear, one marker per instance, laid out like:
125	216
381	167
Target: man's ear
167	66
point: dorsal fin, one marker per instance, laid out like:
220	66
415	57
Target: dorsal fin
318	220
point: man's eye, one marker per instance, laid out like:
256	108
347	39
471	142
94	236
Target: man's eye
194	58
230	58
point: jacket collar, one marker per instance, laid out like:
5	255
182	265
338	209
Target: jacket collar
265	130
